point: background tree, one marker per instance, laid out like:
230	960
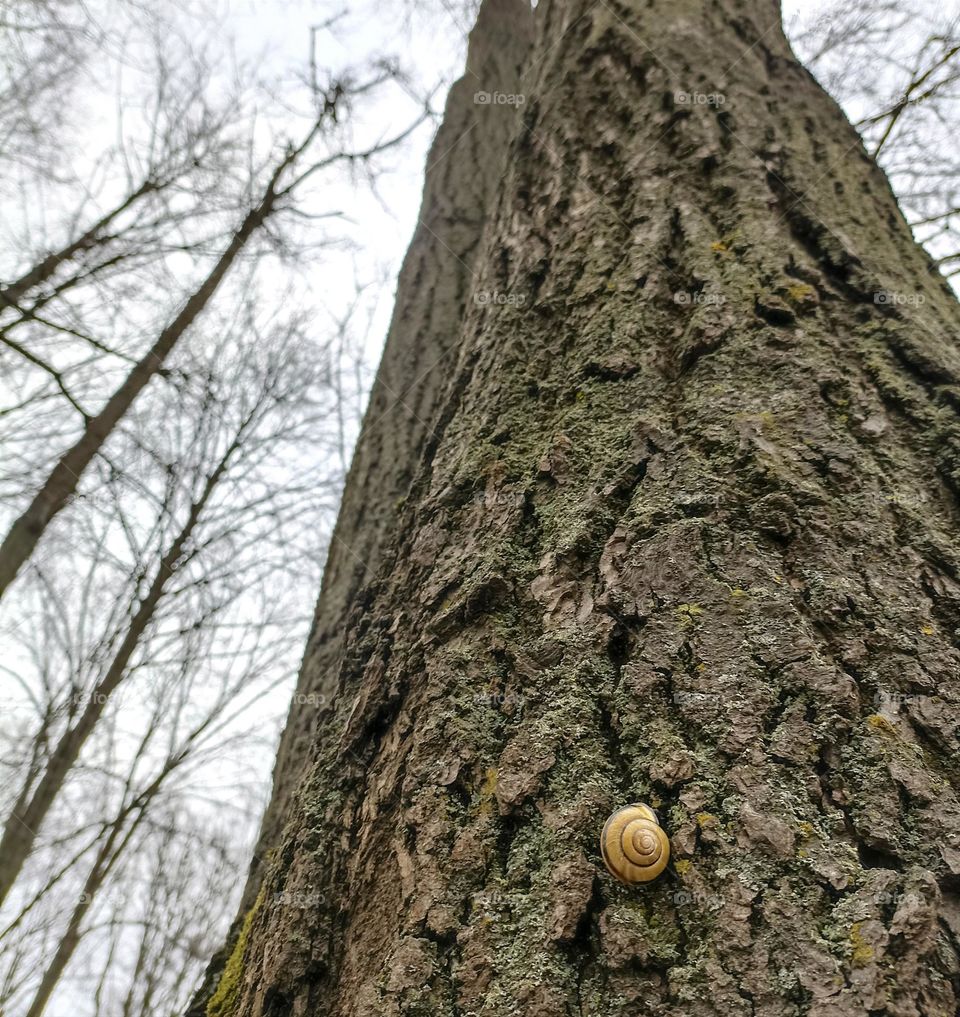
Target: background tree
895	68
199	543
56	489
146	639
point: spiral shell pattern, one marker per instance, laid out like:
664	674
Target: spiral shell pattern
633	844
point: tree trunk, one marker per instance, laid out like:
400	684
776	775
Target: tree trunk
95	235
684	533
61	483
36	799
108	854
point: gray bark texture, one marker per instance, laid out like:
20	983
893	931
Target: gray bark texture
684	531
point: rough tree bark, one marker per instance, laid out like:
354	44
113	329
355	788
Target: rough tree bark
684	532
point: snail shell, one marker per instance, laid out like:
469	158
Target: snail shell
634	846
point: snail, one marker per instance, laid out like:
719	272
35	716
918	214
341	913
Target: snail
634	846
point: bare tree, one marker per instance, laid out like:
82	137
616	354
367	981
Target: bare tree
191	540
61	483
896	68
258	414
138	608
186	874
46	46
137	801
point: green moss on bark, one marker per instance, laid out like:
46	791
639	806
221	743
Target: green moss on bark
224	1001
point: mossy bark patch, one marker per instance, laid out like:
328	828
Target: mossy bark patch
223	1002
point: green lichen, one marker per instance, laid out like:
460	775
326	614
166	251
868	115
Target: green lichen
224	1001
861	952
880	723
801	293
652	932
486	805
687	613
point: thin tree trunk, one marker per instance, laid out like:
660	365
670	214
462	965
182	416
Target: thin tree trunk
464	166
62	481
12	293
33	804
106	858
685	533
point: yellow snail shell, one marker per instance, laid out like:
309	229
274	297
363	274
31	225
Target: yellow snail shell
634	846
